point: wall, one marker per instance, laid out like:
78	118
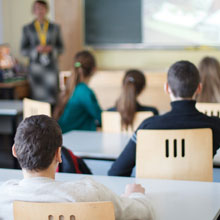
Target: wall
156	60
109	83
1	26
16	13
68	13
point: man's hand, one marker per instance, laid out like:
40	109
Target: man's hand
40	48
44	49
133	188
47	49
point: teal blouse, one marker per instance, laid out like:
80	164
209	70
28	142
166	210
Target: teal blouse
82	111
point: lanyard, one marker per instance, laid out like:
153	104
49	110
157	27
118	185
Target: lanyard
42	32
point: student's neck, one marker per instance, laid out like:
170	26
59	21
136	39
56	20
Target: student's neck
85	80
173	98
49	173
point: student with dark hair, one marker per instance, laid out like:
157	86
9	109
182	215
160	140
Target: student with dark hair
209	69
127	105
42	3
78	108
42	43
183	85
37	146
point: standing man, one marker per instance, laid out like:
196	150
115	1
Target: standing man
42	44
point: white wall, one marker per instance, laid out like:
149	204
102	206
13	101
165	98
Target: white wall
16	13
1	28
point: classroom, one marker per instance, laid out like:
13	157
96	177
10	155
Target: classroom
109	109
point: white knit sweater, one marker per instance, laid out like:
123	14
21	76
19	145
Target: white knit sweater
40	189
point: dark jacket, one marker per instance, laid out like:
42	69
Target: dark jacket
183	115
30	41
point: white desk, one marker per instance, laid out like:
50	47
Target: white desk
95	145
11	107
172	200
10	111
103	146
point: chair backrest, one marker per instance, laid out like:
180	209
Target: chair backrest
111	121
184	154
63	211
33	107
210	109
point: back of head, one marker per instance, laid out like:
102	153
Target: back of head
136	78
84	65
209	69
183	79
36	142
133	84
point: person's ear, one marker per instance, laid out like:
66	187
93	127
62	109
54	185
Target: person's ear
166	88
199	89
58	155
14	151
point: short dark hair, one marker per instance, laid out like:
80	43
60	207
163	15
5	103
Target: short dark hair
36	142
41	2
183	79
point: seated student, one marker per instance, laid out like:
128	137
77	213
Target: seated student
37	146
78	108
127	105
209	69
183	85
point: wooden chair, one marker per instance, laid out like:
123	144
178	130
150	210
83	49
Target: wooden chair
63	76
32	107
111	121
175	154
63	211
210	109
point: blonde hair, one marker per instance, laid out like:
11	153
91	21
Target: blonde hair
209	69
84	64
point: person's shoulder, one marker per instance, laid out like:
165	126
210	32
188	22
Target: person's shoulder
213	119
146	124
28	26
82	185
83	89
150	108
207	117
112	109
54	25
155	121
9	183
147	108
208	121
